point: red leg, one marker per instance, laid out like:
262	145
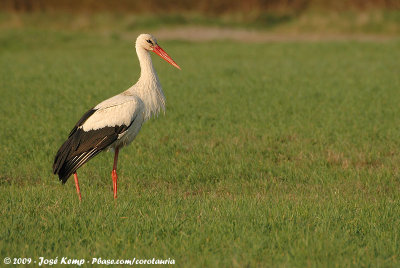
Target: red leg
78	191
114	173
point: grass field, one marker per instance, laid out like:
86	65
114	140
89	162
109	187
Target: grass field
277	154
375	22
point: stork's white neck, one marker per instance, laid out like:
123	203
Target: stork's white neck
148	88
146	65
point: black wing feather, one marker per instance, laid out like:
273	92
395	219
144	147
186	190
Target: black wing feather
82	120
81	146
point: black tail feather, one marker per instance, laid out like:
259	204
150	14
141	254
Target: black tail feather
80	147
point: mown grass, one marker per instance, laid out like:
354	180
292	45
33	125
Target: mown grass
277	154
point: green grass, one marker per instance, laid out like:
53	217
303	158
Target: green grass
378	22
278	154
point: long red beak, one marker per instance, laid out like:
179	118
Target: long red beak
160	52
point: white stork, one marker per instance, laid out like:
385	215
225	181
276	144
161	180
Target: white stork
115	122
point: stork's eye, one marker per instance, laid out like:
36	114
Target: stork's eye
149	41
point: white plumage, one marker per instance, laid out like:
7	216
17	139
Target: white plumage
115	122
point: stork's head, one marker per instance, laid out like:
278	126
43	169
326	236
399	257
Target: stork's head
149	43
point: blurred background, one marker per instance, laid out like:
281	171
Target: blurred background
211	19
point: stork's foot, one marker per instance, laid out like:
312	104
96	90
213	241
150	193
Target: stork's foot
114	178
